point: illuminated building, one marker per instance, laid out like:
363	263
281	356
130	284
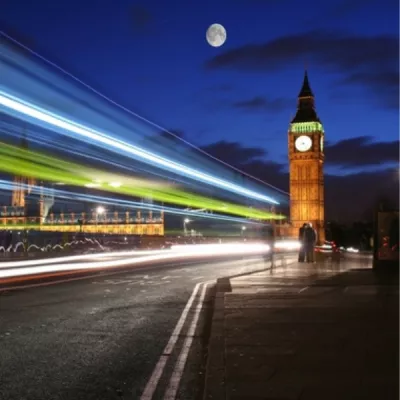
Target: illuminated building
33	211
19	192
126	222
306	161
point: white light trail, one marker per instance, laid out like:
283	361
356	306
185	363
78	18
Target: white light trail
287	245
67	259
221	247
40	114
179	253
135	114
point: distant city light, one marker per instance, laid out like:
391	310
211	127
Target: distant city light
100	210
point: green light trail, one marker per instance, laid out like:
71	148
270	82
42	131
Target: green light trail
28	163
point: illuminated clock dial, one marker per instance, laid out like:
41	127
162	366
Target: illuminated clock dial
303	143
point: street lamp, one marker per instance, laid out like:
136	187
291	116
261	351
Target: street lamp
185	222
100	210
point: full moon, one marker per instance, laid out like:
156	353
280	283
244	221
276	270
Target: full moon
216	35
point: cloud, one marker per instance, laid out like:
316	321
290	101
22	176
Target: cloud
376	82
233	152
140	17
25	40
259	103
173	134
370	62
352	196
347	198
361	151
346	7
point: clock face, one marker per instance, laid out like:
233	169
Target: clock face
303	143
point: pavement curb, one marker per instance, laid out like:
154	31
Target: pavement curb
214	385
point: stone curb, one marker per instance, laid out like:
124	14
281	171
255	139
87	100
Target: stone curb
214	385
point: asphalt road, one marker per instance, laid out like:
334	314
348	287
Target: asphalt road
105	337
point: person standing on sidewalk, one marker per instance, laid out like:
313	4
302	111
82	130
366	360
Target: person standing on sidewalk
268	234
310	240
302	251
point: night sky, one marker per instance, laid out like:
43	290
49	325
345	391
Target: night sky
236	101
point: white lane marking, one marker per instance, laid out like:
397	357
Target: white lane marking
121	282
180	364
159	368
304	288
166	277
196	278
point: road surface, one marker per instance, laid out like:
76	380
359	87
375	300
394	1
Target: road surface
129	335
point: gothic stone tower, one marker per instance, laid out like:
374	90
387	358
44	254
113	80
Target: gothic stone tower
306	161
20	189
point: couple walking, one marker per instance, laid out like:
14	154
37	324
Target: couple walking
308	240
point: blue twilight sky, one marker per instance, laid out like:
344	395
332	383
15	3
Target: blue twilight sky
152	56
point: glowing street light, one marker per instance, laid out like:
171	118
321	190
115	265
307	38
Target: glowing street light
100	210
185	222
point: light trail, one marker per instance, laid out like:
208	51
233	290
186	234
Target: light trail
42	140
67	259
39	114
18	161
287	245
203	251
69	195
26	48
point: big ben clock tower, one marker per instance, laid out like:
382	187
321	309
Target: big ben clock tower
306	162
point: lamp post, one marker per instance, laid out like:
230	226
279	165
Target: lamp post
100	210
185	222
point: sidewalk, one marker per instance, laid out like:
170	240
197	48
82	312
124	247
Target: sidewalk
305	332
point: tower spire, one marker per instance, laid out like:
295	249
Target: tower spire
306	89
305	103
